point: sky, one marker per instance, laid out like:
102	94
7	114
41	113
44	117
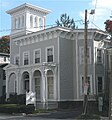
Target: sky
74	8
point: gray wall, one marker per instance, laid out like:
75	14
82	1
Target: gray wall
66	69
39	45
14	50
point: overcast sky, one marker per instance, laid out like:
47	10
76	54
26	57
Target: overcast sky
74	8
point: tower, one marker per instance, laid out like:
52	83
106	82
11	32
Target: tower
26	19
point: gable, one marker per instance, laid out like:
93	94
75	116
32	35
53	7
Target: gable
10	66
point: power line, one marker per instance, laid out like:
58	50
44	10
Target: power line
96	26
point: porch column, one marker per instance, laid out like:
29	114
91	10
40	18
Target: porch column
43	93
17	86
55	77
30	80
20	83
7	86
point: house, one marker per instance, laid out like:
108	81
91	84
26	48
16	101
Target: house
109	71
50	61
4	60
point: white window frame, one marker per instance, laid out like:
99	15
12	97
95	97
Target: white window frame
28	57
34	55
80	57
91	88
46	52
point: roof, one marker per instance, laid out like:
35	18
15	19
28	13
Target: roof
4	54
3	64
27	5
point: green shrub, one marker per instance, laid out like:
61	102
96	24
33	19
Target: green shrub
17	99
2	99
14	108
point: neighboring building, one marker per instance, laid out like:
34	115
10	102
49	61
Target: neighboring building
4	60
109	70
50	61
2	80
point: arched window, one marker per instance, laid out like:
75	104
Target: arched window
16	23
26	81
12	85
37	80
40	23
19	22
36	19
31	21
50	84
22	24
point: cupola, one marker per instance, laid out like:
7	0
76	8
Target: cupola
26	19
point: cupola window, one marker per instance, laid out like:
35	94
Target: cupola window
31	21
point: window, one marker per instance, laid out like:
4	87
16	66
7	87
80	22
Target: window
37	78
40	23
16	60
26	58
99	55
50	52
50	84
19	22
3	90
89	82
26	82
31	21
4	75
16	23
22	21
81	50
15	86
37	87
37	56
110	62
4	59
100	84
36	22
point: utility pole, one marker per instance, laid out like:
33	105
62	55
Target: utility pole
86	85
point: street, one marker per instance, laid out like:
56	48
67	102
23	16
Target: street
56	115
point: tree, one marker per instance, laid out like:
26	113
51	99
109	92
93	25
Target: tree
5	44
108	27
65	21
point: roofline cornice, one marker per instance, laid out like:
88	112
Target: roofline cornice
26	5
54	32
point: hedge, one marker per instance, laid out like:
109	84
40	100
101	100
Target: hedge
17	99
14	108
